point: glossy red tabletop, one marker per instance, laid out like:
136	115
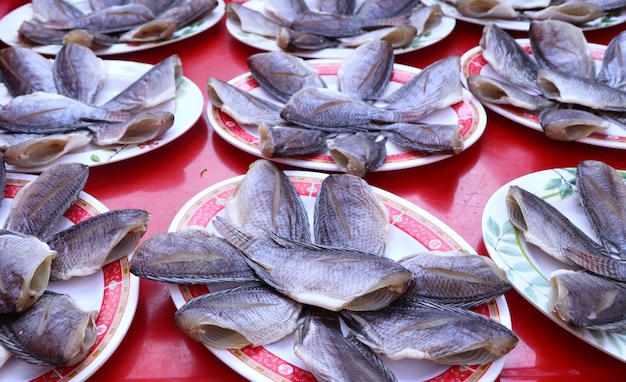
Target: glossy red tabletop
454	190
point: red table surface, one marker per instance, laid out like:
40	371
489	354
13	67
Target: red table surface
454	190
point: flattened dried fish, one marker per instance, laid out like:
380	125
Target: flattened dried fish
40	204
337	25
252	21
265	199
375	281
44	10
364	73
24	271
358	153
575	12
613	70
143	127
330	356
24	71
90	244
486	9
384	8
570	124
398	37
252	314
78	72
585	300
426	137
286	11
279	140
291	40
349	214
602	192
281	74
490	90
117	18
454	278
436	332
190	256
55	331
43	149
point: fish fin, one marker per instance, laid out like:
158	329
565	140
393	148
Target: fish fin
598	262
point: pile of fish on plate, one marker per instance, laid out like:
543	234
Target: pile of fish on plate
108	22
39	326
595	296
353	121
558	81
571	11
280	279
52	111
296	26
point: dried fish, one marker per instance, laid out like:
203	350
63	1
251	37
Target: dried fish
613	71
190	256
330	356
286	11
277	140
45	10
143	127
349	214
109	20
426	137
372	9
480	9
78	72
337	25
585	300
426	330
455	278
291	40
358	153
576	12
281	74
565	124
44	149
55	331
398	37
42	202
24	71
24	271
491	90
375	281
265	199
251	314
251	21
364	73
90	244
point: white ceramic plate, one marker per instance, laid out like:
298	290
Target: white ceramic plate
113	291
469	113
431	37
527	267
187	108
473	62
412	229
608	20
11	22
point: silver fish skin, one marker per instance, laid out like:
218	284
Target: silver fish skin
45	10
398	37
570	124
426	137
330	356
346	7
24	271
559	45
576	12
34	32
42	202
102	4
113	19
375	281
285	11
337	25
508	58
365	72
580	91
251	21
55	331
190	256
186	11
41	112
436	87
142	127
373	9
78	72
44	149
491	90
282	74
334	111
154	87
24	71
245	108
291	40
277	141
358	154
90	244
483	9
250	314
613	71
543	225
436	332
607	5
266	200
455	278
156	6
602	192
349	214
586	300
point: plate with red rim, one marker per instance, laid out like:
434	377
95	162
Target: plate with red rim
609	19
11	22
469	113
473	62
113	291
412	229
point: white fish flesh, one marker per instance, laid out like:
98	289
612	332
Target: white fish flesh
491	90
564	124
142	127
481	9
577	12
43	149
252	21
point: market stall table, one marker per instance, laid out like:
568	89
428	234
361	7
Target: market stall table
455	190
